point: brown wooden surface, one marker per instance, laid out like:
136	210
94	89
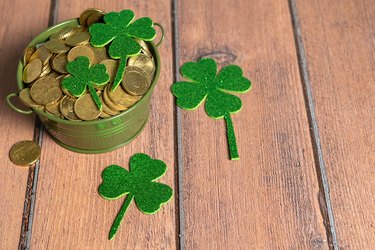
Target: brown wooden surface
275	196
339	39
267	199
15	33
69	211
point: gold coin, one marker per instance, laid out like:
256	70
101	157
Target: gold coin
61	33
144	47
24	153
135	81
25	98
81	50
86	109
104	115
107	109
54	109
85	14
27	53
100	54
121	98
56	46
79	38
67	108
46	90
42	53
109	102
54	75
45	70
111	67
59	62
32	70
142	61
94	17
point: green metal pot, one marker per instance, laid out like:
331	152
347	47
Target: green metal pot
93	136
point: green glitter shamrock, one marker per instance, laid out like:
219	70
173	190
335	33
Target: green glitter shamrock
84	75
120	29
207	85
138	183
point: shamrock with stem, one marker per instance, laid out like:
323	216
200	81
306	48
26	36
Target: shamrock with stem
138	184
119	29
207	85
83	75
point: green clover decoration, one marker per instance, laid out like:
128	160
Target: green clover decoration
120	30
138	184
85	76
207	85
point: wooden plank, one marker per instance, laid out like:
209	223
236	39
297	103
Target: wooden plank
19	26
69	210
269	198
339	41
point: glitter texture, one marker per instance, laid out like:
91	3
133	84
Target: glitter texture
206	85
137	183
119	29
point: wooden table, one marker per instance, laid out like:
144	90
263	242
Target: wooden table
306	134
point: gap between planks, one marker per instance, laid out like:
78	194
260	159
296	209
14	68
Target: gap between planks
325	206
180	218
32	179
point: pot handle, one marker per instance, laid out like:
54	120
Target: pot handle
162	34
25	112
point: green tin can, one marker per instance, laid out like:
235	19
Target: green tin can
93	136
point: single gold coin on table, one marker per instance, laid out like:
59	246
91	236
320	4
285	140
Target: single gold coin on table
121	98
85	14
24	153
142	61
86	109
79	38
46	90
32	70
135	81
111	67
81	50
25	98
67	108
27	53
42	53
56	46
59	63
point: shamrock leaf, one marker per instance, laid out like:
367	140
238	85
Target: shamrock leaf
84	75
208	85
138	184
119	29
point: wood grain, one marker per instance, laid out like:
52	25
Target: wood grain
17	29
339	43
269	198
69	210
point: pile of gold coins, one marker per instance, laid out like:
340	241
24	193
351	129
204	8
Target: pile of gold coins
45	67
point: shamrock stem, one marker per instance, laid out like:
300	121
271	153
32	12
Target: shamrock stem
95	96
120	215
231	138
120	73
